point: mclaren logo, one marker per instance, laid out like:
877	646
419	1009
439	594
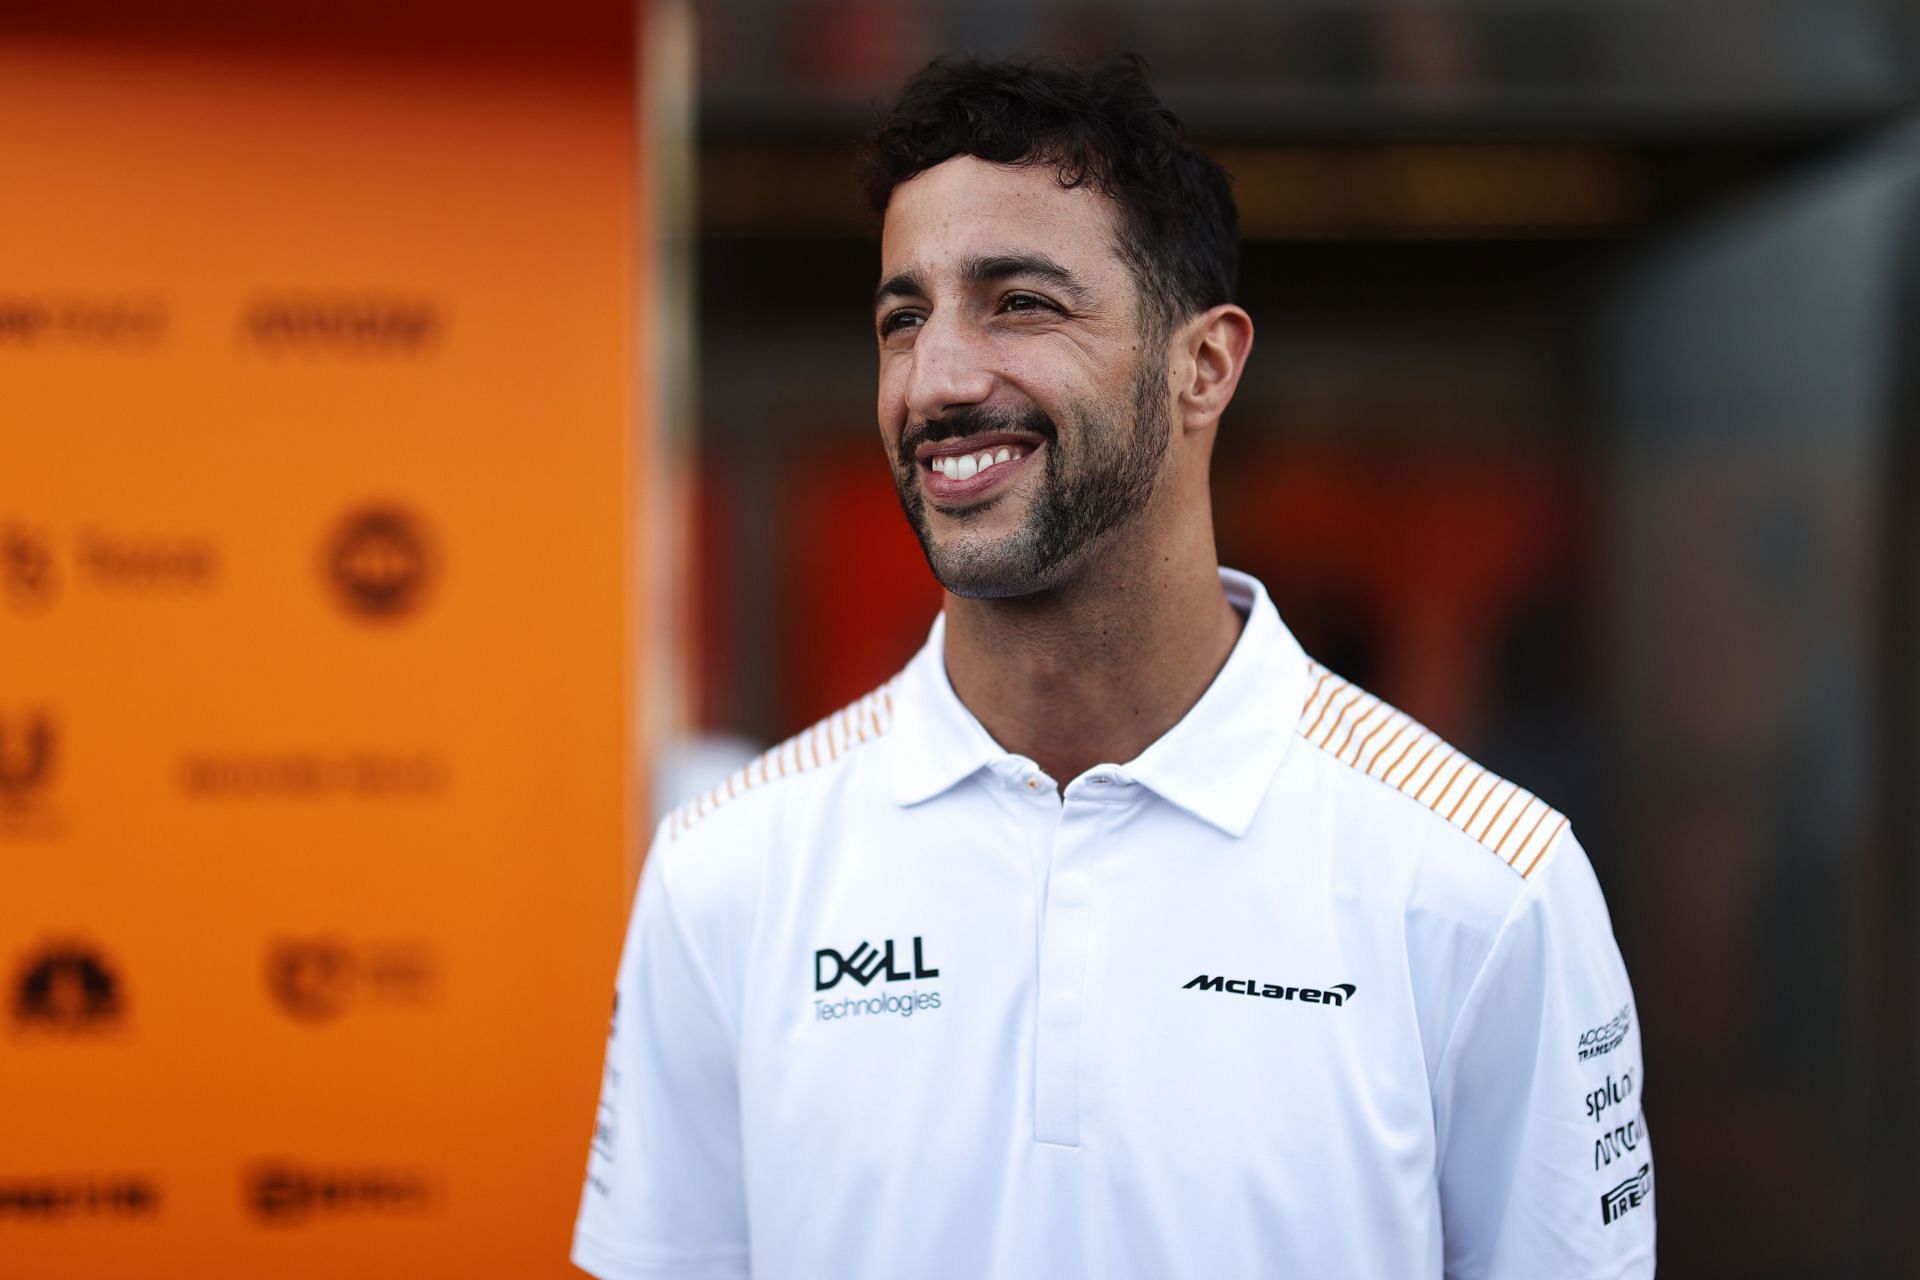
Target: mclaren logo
1337	994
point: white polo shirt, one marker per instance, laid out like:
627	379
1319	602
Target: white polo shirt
1299	991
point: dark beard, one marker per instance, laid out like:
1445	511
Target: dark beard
1107	482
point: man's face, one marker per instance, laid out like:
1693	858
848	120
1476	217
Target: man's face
1020	403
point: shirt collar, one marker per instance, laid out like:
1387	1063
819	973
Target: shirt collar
1215	763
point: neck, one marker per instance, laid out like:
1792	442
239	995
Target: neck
1097	670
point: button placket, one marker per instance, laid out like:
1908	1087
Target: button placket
1065	932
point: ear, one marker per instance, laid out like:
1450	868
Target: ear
1216	344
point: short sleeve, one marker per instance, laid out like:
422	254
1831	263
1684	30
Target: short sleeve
664	1194
1545	1166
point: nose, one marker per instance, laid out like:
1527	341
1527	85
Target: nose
950	368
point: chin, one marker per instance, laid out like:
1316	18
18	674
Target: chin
996	571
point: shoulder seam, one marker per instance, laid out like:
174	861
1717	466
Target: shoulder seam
1394	749
821	746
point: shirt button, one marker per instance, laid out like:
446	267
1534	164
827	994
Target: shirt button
1033	784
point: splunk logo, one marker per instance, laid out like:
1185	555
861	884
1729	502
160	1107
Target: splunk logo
863	964
1338	994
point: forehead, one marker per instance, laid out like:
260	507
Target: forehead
967	207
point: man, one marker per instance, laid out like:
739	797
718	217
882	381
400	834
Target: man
1113	937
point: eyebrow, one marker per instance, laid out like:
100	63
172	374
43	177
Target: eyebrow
985	269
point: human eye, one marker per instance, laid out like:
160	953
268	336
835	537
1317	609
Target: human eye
900	321
1017	303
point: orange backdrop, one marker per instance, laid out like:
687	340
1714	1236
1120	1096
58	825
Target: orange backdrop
316	454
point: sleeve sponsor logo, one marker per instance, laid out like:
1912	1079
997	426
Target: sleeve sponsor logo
1604	1039
1615	1091
1628	1196
1620	1141
1337	994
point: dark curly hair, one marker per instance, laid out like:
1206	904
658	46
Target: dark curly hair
1178	228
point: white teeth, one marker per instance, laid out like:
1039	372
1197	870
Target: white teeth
965	466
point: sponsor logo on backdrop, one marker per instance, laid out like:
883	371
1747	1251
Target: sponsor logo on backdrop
1598	1041
364	775
102	559
67	989
116	560
1336	995
342	325
28	580
41	320
380	562
64	1197
864	964
29	766
284	1193
1628	1196
315	980
26	757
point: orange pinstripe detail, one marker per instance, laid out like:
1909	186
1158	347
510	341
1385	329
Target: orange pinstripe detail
1451	769
1386	746
1373	733
1488	829
1545	809
1350	717
1551	837
1421	794
854	724
1339	717
1467	791
1431	748
1467	826
1355	726
1315	691
1404	751
1323	712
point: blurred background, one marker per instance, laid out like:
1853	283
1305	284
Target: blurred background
432	440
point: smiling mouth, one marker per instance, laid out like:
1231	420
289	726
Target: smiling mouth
966	466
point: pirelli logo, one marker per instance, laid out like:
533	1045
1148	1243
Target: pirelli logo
1628	1196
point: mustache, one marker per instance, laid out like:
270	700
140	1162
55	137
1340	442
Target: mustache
973	421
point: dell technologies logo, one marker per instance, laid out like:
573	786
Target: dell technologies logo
1338	994
863	964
